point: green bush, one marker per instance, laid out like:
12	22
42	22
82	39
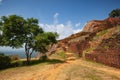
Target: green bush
5	61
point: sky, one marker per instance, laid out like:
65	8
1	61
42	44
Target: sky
65	17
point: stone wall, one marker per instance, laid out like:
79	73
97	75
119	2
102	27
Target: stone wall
105	58
78	47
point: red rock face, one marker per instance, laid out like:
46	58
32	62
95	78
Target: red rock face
97	25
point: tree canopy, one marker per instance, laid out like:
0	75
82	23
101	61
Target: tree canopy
15	31
115	13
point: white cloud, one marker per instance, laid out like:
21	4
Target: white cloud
56	18
77	30
56	15
64	30
77	25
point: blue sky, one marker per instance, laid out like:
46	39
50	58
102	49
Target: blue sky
64	16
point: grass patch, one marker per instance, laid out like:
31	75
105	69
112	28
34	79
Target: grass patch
99	34
62	55
102	32
22	63
87	51
54	61
35	62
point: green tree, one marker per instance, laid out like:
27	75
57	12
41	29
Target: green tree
0	39
115	13
45	41
32	30
17	31
46	38
12	31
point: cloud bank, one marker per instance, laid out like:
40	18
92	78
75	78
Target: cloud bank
64	30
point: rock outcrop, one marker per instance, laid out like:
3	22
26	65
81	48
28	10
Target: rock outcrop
98	25
99	41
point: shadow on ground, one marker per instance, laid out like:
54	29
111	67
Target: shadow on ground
35	62
20	63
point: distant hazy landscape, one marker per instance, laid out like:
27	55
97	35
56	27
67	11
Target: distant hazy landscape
19	52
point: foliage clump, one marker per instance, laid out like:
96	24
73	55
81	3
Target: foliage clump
115	13
5	61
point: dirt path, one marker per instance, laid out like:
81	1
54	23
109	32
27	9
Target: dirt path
63	69
70	70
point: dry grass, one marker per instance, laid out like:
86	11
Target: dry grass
70	70
84	70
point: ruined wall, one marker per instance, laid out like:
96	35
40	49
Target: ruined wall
107	52
78	47
105	58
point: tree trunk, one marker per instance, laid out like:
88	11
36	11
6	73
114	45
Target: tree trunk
28	59
27	54
31	53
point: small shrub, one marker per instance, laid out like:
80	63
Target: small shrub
5	61
43	57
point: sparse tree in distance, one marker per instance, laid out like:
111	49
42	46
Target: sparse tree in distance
115	13
17	31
